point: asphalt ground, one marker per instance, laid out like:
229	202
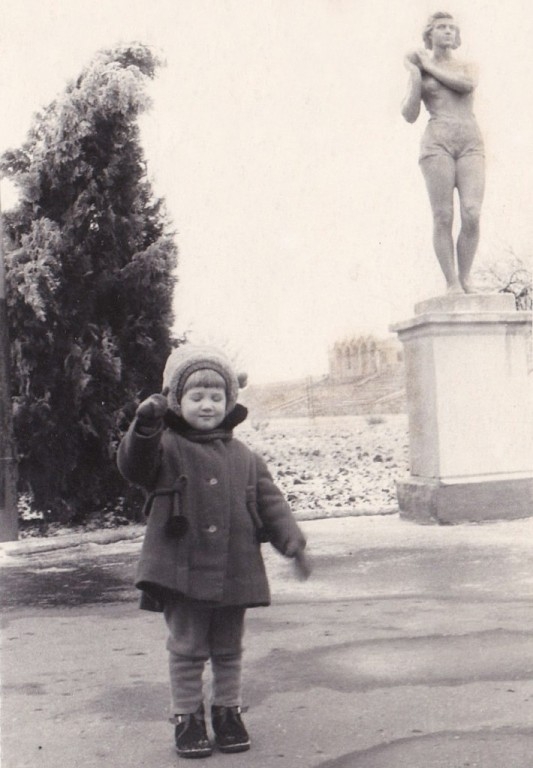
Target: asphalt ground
409	646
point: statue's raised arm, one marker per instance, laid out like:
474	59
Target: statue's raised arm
451	152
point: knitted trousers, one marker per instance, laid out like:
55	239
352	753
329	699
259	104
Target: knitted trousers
199	632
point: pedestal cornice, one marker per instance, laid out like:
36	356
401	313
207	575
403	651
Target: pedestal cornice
465	310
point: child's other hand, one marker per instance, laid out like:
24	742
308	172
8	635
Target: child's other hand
302	565
152	409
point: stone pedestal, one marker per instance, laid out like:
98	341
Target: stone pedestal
469	410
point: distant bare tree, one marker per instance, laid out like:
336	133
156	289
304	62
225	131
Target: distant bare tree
508	274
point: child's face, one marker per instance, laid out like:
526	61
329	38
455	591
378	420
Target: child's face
204	407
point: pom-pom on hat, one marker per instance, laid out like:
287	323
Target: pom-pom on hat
190	358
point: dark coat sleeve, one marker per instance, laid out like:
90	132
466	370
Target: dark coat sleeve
275	513
139	456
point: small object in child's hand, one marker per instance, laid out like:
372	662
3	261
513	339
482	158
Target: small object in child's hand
302	565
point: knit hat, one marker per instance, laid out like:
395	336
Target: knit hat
188	359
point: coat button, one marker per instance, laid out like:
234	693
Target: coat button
213	481
212	529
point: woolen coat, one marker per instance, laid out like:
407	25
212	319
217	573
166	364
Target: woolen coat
227	496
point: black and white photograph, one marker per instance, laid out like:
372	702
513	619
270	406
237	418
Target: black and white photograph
266	378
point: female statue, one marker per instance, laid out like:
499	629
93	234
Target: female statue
451	153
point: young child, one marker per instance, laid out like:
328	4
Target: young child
210	503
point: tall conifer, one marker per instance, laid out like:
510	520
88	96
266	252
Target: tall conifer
90	277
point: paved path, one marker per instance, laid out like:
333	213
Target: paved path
410	646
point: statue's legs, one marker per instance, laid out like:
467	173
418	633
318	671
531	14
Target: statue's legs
439	174
470	181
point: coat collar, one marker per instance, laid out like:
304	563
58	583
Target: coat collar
224	431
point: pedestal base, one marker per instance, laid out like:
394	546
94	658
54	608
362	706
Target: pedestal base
469	408
429	501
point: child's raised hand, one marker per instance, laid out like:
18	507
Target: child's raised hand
152	409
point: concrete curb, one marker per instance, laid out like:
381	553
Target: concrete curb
33	545
40	545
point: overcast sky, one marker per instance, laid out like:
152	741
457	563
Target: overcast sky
276	138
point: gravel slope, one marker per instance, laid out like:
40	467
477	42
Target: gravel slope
334	466
327	467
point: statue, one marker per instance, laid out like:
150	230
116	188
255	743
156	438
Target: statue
451	152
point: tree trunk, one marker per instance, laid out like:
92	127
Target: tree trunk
8	467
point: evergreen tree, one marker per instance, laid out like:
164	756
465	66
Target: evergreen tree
90	267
